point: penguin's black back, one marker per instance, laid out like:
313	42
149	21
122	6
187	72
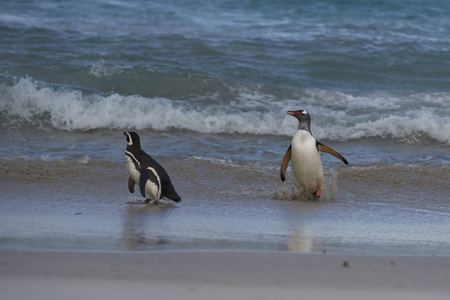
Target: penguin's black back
167	189
145	161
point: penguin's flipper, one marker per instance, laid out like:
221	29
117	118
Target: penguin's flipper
143	182
326	149
131	184
285	163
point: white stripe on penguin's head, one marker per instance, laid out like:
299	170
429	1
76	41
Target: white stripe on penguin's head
129	139
133	139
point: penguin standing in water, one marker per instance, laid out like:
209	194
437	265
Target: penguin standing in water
305	156
153	181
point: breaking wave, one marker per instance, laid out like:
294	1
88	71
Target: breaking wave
411	118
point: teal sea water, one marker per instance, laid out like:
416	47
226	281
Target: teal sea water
208	84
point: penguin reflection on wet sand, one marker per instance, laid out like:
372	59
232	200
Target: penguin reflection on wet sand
305	156
147	173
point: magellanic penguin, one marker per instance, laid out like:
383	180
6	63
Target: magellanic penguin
305	156
147	173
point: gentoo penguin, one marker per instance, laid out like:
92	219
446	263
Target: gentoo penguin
153	181
305	156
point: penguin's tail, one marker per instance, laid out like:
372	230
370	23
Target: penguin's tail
173	195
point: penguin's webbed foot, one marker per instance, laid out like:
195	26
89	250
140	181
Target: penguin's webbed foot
318	194
156	202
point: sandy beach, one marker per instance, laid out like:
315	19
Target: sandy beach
220	275
86	206
63	239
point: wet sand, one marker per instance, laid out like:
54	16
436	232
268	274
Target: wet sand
72	231
220	275
72	206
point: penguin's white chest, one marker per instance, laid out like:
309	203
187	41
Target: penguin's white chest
153	187
131	167
306	163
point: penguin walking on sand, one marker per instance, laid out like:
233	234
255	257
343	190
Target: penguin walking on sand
305	156
147	173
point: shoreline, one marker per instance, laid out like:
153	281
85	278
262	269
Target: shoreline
59	206
219	275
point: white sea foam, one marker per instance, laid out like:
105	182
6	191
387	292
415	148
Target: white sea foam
335	115
101	69
14	20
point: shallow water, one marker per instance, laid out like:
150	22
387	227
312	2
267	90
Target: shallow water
85	205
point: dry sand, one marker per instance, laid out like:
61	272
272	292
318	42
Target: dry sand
220	275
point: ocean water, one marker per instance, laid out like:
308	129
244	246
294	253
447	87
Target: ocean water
207	85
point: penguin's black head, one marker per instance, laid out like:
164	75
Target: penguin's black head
303	117
132	139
